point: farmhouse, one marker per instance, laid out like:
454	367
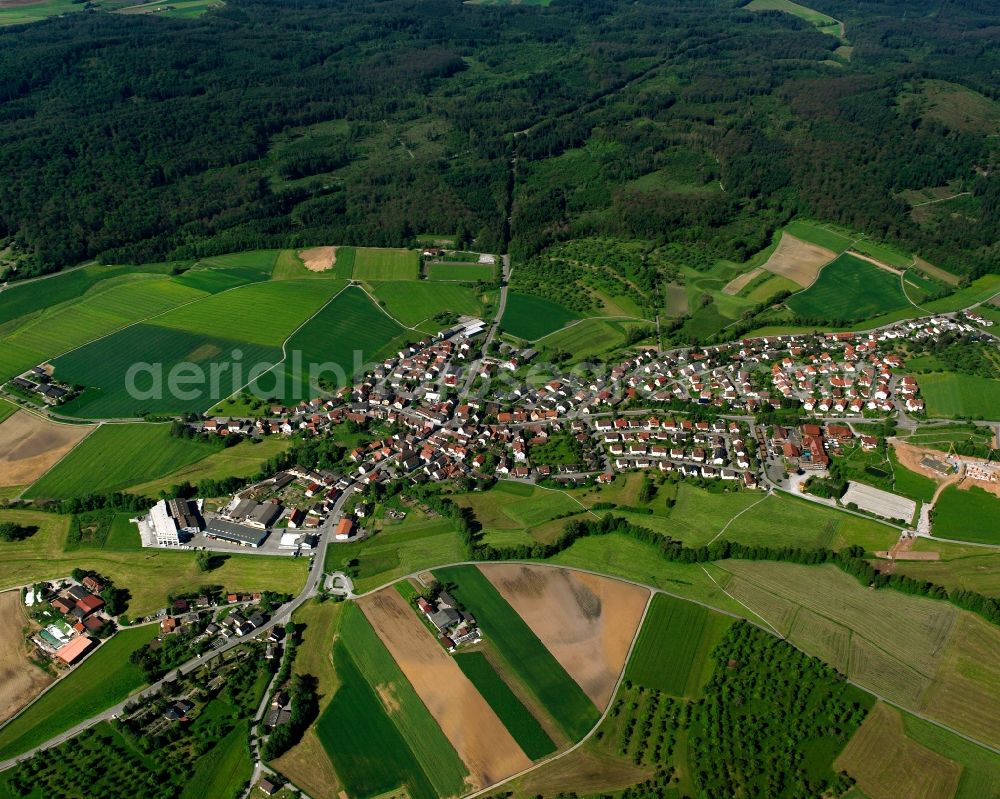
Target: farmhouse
72	652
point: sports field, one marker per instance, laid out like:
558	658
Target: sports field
967	515
103	679
672	653
461	272
952	394
116	456
371	263
523	652
849	289
511	711
415	302
349	334
531	317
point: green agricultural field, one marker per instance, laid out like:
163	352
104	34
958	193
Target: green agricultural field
588	338
100	312
351	333
530	317
375	757
509	709
215	280
817	18
435	754
224	769
258	260
7	409
179	9
980	766
884	253
261	313
116	456
967	515
982	289
910	484
383	264
952	394
462	272
412	303
105	678
822	235
399	548
524	653
672	653
849	289
243	460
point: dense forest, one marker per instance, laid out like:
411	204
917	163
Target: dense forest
696	122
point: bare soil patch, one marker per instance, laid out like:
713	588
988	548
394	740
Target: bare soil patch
798	260
912	456
875	262
479	737
30	445
587	622
319	259
20	680
986	485
737	284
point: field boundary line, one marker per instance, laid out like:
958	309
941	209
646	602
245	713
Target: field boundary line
556	490
93	429
375	302
774	629
576	322
284	344
749	507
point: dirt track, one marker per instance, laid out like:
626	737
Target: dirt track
20	681
798	260
479	737
737	284
319	259
30	445
587	622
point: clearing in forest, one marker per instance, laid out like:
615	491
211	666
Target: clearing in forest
587	622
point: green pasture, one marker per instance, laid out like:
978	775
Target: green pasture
837	240
462	272
216	280
672	652
116	456
7	409
849	289
531	317
524	727
817	18
180	9
953	394
980	290
588	338
415	302
224	769
371	263
524	653
967	515
103	679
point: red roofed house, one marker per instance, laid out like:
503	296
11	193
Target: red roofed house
345	527
89	604
70	653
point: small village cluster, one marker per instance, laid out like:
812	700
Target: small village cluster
72	621
453	625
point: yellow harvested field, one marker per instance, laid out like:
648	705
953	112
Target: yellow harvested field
587	622
887	764
736	285
20	680
319	259
31	445
798	260
480	738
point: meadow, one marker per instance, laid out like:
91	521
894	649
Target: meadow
435	754
589	338
385	264
243	460
849	289
509	709
397	549
116	456
103	679
980	766
99	313
523	652
224	769
827	236
215	280
530	317
462	272
150	577
374	757
414	302
350	333
7	409
967	515
820	20
673	646
952	394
